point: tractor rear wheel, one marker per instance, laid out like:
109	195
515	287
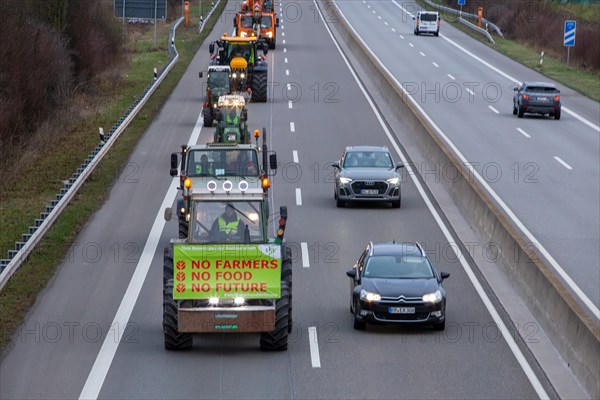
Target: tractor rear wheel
167	265
259	87
286	276
174	340
278	339
208	117
183	227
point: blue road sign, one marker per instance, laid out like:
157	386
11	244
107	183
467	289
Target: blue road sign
461	2
570	27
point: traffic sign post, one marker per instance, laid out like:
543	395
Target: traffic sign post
569	36
461	3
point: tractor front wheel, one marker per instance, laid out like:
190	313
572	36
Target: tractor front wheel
277	340
207	114
174	340
259	87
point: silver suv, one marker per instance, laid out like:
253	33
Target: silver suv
367	173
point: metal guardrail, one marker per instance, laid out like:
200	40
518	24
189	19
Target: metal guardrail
477	29
41	225
467	15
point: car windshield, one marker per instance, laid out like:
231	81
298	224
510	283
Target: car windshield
367	159
246	21
398	267
222	162
238	50
428	17
227	222
219	81
266	22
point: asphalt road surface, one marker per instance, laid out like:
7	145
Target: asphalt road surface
96	330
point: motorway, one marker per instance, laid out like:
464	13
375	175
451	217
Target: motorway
96	331
546	171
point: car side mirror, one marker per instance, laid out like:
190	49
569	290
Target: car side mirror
200	74
273	161
336	165
277	22
174	161
445	275
211	48
351	273
399	165
413	17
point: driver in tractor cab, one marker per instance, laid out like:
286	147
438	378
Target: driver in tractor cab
204	168
227	226
232	117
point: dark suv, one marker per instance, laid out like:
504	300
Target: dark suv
394	283
536	98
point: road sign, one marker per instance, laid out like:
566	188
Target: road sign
461	2
141	9
570	27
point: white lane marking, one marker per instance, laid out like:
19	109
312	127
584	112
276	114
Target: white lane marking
411	45
283	41
285	50
298	197
379	16
564	164
289	87
385	22
507	76
295	156
493	109
393	30
421	53
527	135
569	281
368	6
474	281
290	104
282	26
373	11
315	360
287	71
304	251
402	37
435	64
95	380
285	60
472	93
292	127
282	34
451	77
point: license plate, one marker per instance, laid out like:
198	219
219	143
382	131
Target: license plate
401	310
231	137
370	191
542	99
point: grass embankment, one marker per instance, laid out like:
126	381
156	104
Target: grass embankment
585	82
26	192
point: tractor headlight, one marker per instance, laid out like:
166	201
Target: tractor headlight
344	181
269	34
234	75
243	34
239	301
213	301
242	76
368	296
393	181
434	297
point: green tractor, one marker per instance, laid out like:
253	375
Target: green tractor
249	70
231	114
218	83
227	275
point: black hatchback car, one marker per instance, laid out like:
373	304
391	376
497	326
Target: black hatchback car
536	98
394	283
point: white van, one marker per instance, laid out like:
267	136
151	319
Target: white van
427	22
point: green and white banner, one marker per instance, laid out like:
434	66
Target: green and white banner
252	271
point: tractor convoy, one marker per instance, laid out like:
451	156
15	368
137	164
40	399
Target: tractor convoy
224	273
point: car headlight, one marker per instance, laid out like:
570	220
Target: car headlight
368	296
393	181
344	181
432	297
269	34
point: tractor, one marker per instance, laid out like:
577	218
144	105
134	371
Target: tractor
248	69
232	115
218	83
258	19
227	275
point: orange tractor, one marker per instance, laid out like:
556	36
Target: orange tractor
258	19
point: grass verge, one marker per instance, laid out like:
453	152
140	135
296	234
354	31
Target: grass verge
586	83
21	291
